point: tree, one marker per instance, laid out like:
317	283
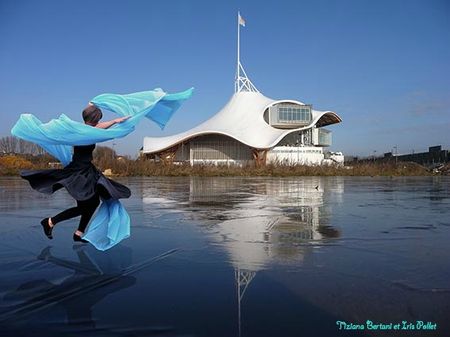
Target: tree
11	144
104	156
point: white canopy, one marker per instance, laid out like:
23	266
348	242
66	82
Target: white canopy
242	119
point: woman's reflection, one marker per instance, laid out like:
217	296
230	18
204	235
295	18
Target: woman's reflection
92	280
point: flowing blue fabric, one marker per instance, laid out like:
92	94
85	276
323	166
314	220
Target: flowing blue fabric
111	223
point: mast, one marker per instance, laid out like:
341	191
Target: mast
242	82
238	53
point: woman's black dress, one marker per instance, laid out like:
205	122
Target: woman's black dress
80	178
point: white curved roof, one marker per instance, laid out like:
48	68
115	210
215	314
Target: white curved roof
242	119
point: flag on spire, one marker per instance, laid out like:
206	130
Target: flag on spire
241	20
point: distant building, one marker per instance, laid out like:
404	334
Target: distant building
434	156
252	127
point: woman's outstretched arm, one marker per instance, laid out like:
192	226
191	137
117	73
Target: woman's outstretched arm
108	124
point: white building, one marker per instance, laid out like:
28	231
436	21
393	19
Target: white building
252	127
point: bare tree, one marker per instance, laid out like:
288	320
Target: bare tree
11	144
104	156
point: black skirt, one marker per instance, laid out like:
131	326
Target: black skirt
80	178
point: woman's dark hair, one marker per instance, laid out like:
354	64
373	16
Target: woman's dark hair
92	114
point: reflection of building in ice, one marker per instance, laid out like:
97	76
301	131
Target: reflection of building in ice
272	219
258	221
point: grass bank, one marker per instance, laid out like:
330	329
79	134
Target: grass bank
142	168
12	164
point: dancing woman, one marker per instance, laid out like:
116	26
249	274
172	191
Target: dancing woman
72	143
84	182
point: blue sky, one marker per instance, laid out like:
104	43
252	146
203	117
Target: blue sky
383	66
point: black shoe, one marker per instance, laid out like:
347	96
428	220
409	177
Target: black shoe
78	238
47	228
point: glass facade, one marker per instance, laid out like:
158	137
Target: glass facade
217	147
288	115
324	137
296	114
293	115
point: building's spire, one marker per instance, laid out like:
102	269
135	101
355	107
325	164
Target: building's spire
242	82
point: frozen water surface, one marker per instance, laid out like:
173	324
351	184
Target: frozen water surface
233	257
